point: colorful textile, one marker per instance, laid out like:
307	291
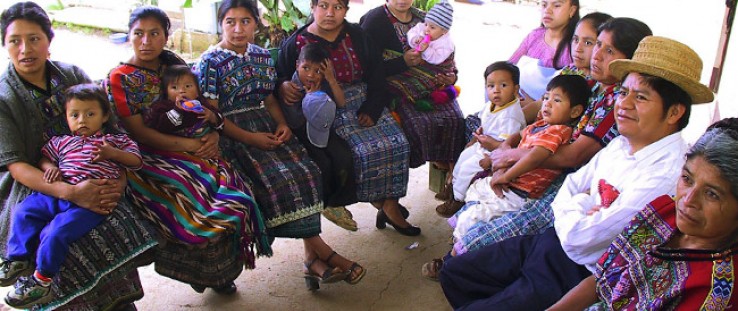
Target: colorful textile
100	269
286	182
598	120
639	272
418	81
380	151
73	156
549	137
190	200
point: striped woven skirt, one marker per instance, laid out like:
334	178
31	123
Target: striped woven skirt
436	135
196	202
285	181
381	152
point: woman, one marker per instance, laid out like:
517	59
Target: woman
676	254
618	39
435	135
583	42
201	208
238	77
100	269
380	149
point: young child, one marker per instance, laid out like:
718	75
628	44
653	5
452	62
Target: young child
311	121
182	111
432	38
508	189
500	117
52	223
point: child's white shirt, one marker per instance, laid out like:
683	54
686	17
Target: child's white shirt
438	50
503	121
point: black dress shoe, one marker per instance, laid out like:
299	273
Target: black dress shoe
227	289
198	288
383	220
405	213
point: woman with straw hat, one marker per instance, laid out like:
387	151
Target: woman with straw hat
676	253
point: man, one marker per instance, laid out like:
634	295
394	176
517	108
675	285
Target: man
597	201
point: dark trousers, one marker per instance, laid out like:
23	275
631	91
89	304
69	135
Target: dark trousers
521	273
51	224
336	165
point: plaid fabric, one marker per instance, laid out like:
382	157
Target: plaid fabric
418	81
381	152
472	123
435	135
534	218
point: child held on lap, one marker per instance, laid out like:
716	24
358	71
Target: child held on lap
51	223
176	113
432	38
500	118
508	189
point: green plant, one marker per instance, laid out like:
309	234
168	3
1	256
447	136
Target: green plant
279	19
425	5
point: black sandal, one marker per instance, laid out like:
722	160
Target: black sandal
330	275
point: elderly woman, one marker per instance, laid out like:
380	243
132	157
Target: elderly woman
200	206
435	135
238	77
618	39
380	150
100	270
677	253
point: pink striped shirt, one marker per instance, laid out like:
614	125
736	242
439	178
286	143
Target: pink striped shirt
73	155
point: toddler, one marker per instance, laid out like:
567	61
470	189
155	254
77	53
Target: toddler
51	223
432	38
500	117
508	189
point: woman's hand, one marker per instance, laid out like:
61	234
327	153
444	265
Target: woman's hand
98	195
446	79
365	120
283	133
265	141
289	92
209	147
503	157
499	183
412	57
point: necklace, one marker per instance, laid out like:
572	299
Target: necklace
409	18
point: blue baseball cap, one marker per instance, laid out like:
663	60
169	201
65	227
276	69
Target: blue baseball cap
320	111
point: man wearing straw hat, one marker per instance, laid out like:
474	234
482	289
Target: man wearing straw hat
661	82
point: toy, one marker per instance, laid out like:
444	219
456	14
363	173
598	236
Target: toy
423	44
192	105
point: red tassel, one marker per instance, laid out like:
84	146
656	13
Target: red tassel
439	97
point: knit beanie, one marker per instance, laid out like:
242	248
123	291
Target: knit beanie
441	14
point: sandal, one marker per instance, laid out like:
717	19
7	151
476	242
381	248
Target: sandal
432	269
330	275
340	216
353	278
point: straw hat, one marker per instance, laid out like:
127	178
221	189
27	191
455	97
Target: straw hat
670	60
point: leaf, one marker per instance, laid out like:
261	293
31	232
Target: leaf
187	4
287	24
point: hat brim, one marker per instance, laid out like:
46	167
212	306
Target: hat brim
699	92
318	136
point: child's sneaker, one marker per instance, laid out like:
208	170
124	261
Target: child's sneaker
10	271
28	292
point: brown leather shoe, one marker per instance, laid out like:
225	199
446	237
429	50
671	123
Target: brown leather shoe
446	193
449	208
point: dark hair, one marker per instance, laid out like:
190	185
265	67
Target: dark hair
671	95
313	53
574	86
87	91
507	66
249	5
150	11
173	73
626	33
29	11
719	146
568	34
596	19
344	2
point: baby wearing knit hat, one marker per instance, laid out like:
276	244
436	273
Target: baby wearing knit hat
432	37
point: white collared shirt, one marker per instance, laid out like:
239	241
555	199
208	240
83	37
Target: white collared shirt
641	177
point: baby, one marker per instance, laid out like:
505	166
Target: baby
432	38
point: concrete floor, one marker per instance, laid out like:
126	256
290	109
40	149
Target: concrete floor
393	280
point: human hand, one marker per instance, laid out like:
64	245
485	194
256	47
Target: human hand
500	158
499	183
103	152
209	146
446	79
412	57
289	92
365	120
486	162
486	141
283	133
52	174
595	209
327	69
208	115
100	196
265	141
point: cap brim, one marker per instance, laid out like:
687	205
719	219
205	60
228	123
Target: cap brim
318	136
699	92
